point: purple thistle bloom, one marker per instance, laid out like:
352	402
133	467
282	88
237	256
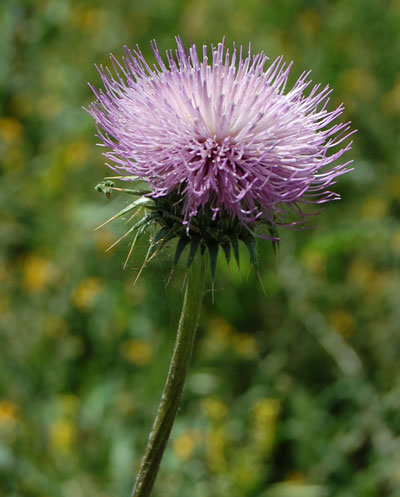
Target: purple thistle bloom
220	131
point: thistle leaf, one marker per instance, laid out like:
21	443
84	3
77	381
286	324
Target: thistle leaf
275	243
182	242
163	240
213	251
130	192
144	222
157	239
121	176
140	202
227	251
250	243
160	235
138	233
235	246
194	245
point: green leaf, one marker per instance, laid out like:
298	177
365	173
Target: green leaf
213	251
121	176
140	202
162	242
227	251
161	234
235	246
157	239
273	231
182	242
144	222
250	243
132	192
194	245
139	232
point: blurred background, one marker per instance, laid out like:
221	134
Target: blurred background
292	393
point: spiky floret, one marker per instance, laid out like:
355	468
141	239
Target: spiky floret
226	153
220	131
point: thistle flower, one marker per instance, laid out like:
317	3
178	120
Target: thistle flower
226	153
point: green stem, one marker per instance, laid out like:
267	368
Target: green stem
172	393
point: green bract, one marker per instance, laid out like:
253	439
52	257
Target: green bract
203	233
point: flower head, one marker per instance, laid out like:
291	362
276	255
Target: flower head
216	137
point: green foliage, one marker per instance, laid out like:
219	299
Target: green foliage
293	392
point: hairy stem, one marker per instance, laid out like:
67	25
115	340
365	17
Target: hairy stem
172	393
